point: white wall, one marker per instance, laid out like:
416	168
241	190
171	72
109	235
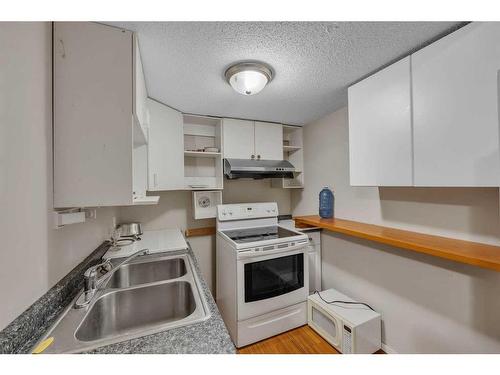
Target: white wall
428	304
33	256
175	211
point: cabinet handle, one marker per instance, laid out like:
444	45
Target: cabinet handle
253	157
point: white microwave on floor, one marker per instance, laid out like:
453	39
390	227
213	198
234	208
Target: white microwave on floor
350	328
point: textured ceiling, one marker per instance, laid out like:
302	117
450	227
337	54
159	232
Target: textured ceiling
314	62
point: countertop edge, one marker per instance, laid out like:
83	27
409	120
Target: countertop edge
25	330
467	252
29	327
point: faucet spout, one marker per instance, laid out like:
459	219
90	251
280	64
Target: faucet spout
93	281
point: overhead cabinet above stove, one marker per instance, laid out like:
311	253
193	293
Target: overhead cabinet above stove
252	140
430	119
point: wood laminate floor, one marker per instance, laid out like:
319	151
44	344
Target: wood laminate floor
302	340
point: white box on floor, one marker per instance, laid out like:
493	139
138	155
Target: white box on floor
350	328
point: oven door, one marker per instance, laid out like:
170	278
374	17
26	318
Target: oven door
271	282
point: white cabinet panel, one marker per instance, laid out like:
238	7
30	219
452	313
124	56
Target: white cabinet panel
455	105
140	92
268	141
380	128
166	148
238	139
93	116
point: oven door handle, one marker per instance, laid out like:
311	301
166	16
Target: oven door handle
260	253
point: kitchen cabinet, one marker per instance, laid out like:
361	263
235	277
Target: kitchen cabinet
431	119
176	159
202	169
99	146
268	141
380	128
140	108
166	148
455	107
243	139
238	137
292	150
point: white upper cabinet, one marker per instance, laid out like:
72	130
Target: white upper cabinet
455	106
268	141
380	128
243	139
99	153
166	148
140	92
238	139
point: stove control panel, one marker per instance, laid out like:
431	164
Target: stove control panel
242	211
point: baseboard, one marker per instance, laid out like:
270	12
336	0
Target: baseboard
388	349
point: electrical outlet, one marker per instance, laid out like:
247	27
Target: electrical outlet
91	213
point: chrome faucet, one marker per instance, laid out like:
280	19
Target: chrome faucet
93	282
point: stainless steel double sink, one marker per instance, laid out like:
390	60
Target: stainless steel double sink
148	295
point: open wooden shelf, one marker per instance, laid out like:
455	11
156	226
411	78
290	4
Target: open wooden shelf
144	201
291	148
202	154
472	253
202	170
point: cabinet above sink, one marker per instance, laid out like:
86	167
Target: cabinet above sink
100	118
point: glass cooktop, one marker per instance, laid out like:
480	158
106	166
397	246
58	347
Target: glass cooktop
258	234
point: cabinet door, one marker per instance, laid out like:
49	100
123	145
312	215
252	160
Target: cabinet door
380	129
166	148
238	139
140	92
268	141
455	106
92	115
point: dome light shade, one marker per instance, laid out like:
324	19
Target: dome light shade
248	78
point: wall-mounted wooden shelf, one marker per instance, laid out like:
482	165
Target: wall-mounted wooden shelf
472	253
195	232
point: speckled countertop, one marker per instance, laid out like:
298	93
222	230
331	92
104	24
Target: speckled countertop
209	336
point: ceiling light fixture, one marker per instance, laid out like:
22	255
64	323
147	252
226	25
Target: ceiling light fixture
248	78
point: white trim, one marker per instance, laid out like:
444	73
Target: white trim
388	349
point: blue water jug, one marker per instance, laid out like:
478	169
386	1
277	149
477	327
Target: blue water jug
326	203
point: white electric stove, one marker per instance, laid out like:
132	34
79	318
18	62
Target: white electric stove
262	272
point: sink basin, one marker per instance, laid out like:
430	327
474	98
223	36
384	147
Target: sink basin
119	312
145	272
152	294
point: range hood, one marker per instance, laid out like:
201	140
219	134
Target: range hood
257	169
